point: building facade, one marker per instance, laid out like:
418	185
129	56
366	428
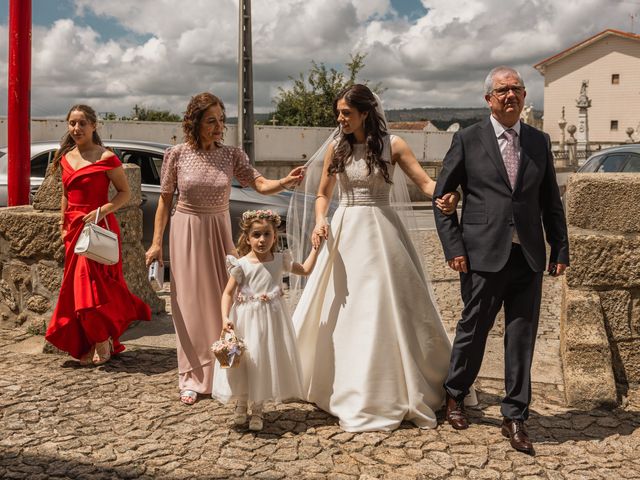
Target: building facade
610	63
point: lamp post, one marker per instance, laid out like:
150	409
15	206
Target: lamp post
571	145
583	103
245	81
630	131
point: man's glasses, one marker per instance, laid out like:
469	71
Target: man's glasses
503	91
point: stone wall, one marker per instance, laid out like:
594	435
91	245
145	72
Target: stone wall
32	255
600	322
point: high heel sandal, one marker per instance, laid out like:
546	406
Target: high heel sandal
240	414
188	397
87	359
103	352
256	422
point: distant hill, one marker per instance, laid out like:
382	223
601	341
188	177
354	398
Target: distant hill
440	117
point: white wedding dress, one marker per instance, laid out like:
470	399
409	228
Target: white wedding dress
373	348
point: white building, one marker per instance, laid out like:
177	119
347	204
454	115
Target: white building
610	62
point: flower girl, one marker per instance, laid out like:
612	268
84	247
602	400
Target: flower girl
269	369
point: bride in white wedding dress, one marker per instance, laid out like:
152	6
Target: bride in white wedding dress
373	348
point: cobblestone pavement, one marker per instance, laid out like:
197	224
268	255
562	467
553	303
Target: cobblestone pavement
123	420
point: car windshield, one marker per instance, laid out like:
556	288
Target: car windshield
633	165
613	163
592	165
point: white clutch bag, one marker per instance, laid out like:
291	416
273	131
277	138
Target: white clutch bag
97	243
156	275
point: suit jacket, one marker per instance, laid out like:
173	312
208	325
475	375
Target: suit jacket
492	209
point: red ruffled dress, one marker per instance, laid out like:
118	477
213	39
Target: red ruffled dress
95	302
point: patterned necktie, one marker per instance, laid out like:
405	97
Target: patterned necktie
510	156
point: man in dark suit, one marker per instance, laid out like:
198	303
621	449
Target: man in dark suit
505	169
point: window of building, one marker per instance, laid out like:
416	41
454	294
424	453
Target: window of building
615	79
614	125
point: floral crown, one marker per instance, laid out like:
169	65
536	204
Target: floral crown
269	215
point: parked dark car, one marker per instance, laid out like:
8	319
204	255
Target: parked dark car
623	159
148	156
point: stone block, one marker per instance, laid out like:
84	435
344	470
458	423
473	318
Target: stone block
130	221
7	296
590	198
49	195
19	274
634	322
616	306
584	348
38	304
29	233
582	323
603	260
137	277
588	382
629	354
48	277
132	172
37	324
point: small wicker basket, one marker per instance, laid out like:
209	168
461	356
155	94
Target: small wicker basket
228	349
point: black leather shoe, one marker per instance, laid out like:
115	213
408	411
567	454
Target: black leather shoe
455	413
516	432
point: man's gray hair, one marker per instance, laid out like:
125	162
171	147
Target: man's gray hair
488	82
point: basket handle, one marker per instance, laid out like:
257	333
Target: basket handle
223	332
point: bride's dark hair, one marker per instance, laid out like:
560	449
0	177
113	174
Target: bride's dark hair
362	99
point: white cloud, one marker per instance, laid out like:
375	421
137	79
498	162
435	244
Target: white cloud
439	60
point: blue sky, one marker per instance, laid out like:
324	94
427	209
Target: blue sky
46	12
114	54
412	9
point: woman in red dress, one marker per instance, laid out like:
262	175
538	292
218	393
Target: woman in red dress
95	305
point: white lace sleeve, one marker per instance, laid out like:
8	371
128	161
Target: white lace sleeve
234	268
287	261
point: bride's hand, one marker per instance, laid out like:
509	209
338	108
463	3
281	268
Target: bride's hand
448	202
320	232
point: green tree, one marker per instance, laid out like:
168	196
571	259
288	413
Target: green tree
309	102
145	114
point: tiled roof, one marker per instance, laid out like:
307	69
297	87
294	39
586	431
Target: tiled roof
541	65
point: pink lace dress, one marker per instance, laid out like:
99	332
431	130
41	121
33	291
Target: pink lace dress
199	240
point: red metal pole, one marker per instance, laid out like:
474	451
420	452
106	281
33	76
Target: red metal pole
19	96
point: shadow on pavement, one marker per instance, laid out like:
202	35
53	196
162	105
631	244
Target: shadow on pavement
148	361
46	466
565	425
290	420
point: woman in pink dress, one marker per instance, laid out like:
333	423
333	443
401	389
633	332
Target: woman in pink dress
201	169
